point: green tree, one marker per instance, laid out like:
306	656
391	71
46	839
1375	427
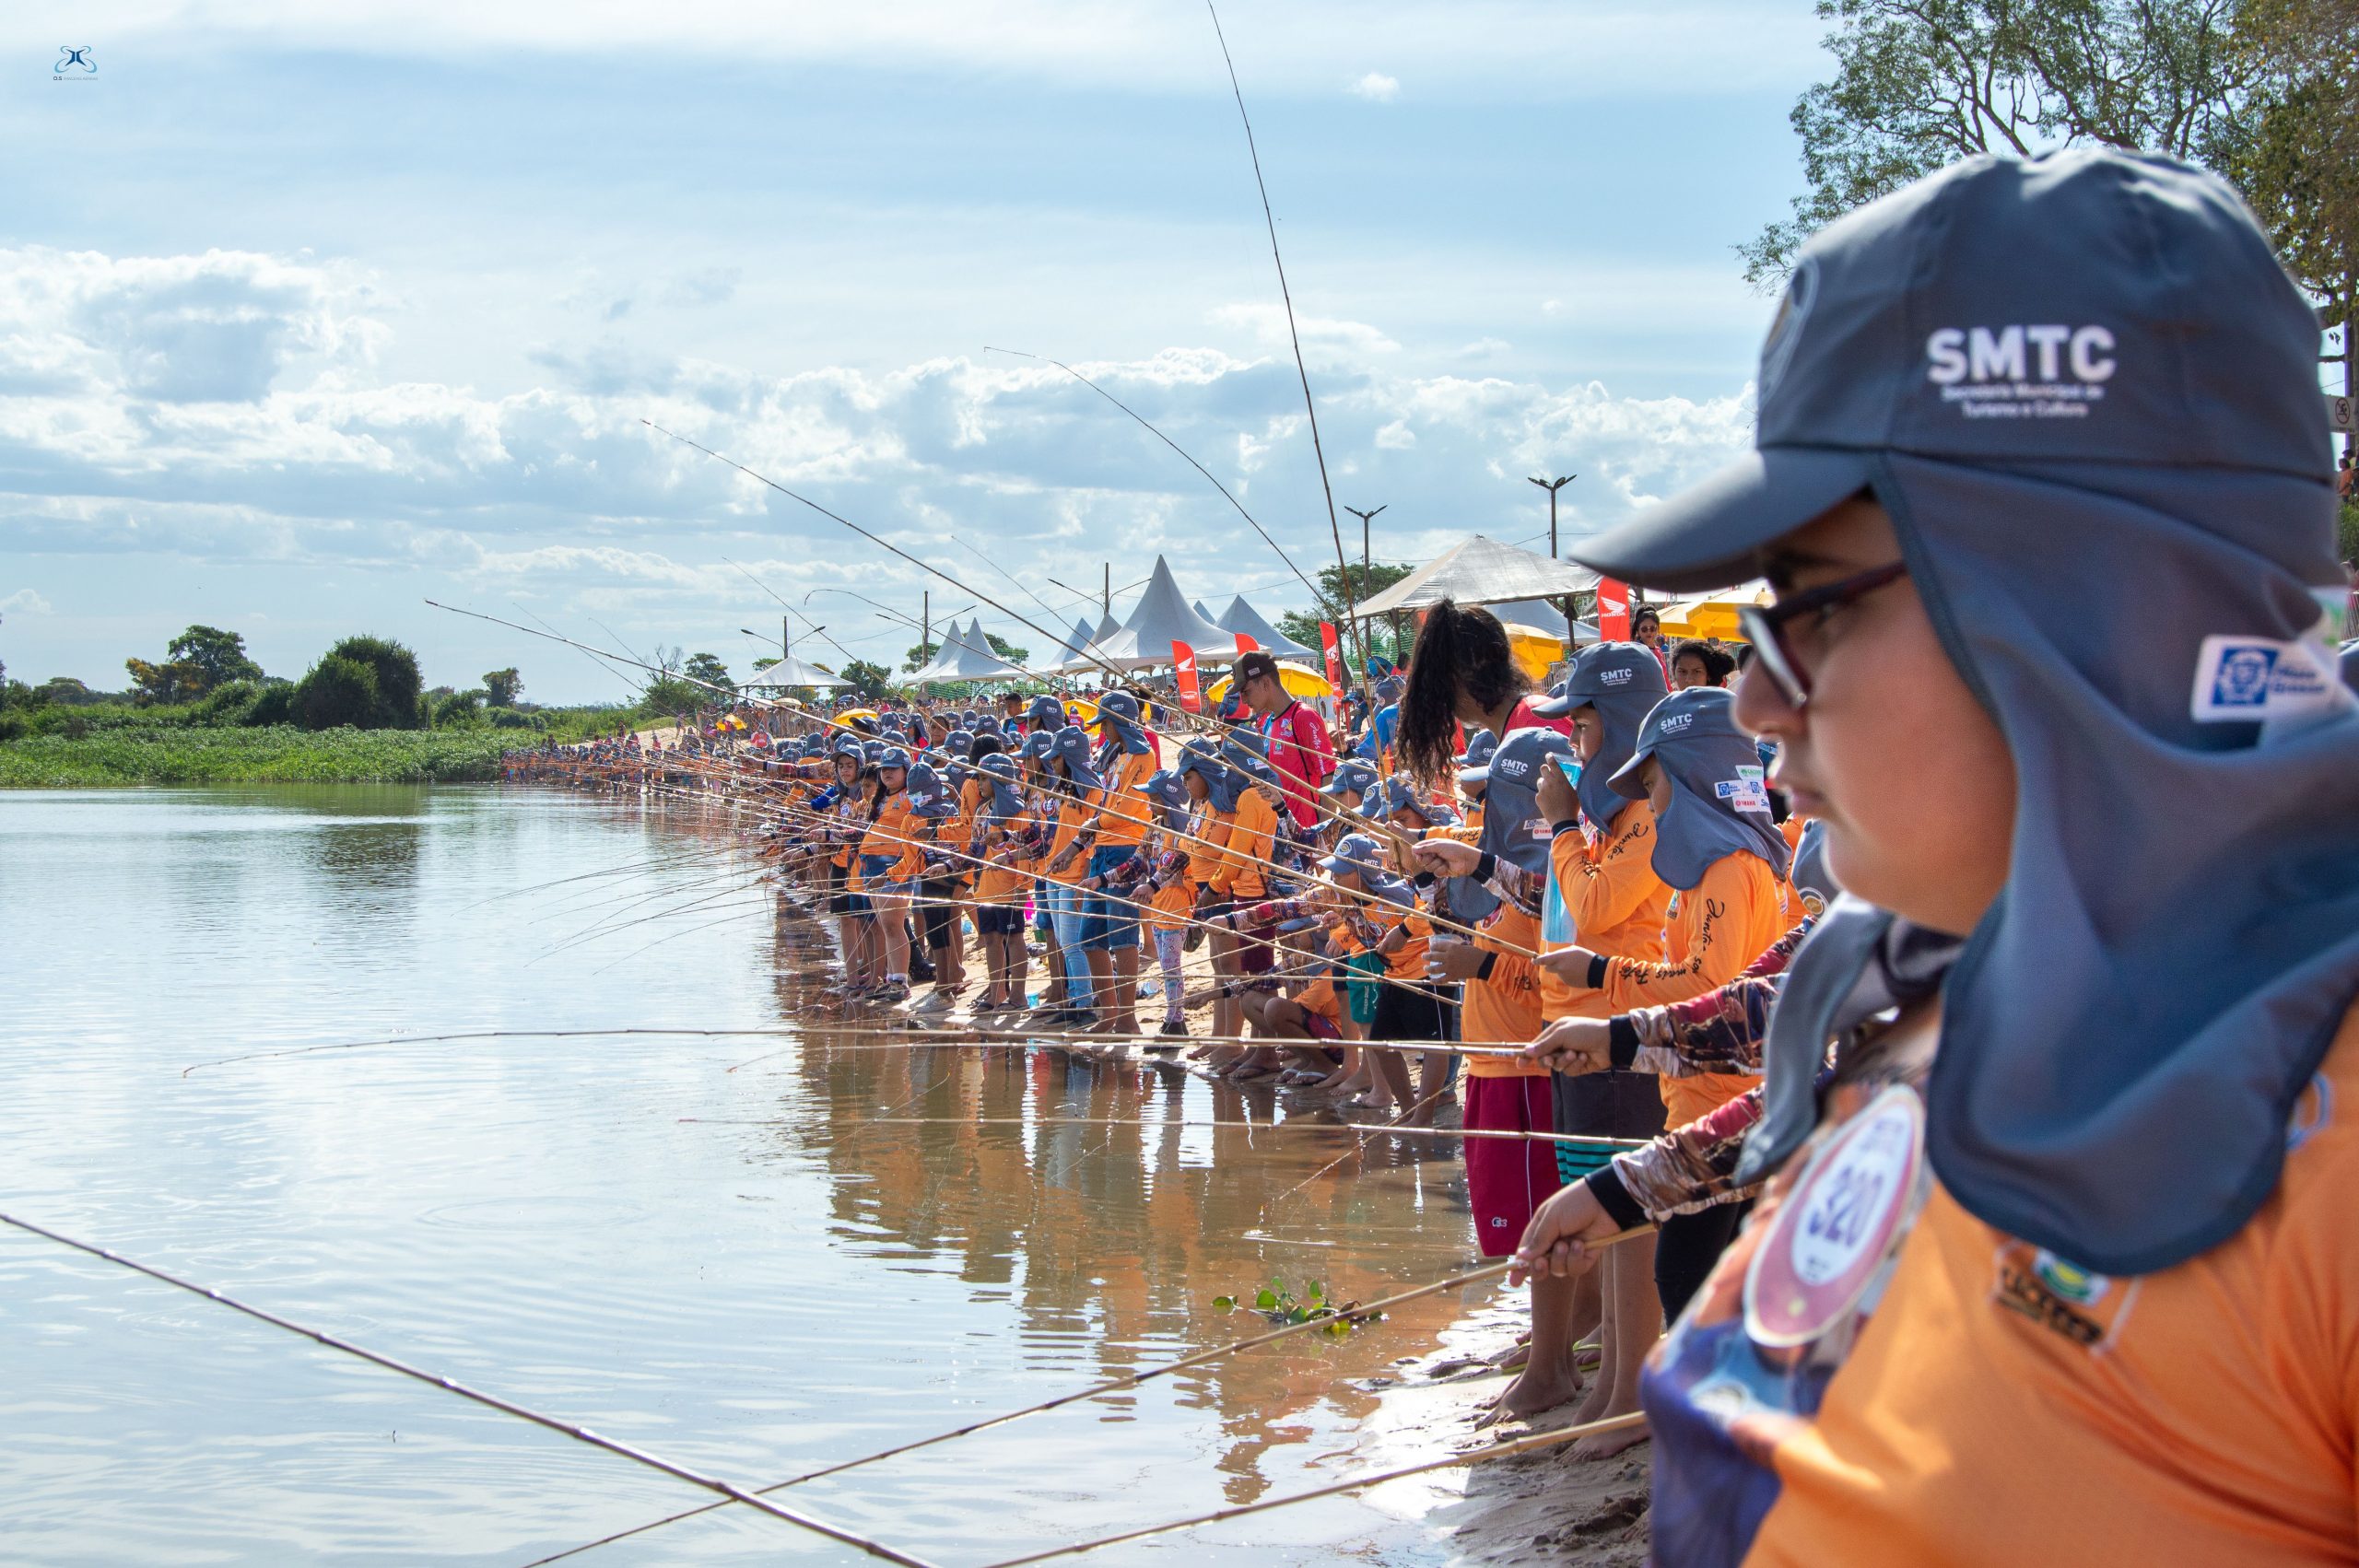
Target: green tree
219	656
709	669
2292	147
330	693
1918	84
338	691
668	694
871	681
502	687
170	682
1339	588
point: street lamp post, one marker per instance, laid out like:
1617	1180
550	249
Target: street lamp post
1367	572
1552	486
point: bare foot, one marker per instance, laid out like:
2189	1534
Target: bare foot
1605	1445
1538	1388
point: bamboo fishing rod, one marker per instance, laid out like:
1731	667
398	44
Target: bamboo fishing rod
728	1491
1351	1312
1527	1444
1385	831
1361	896
1259	862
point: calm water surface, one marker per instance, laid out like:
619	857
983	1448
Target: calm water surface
719	1249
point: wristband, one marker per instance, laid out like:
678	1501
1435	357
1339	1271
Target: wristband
1490	960
1605	1186
1621	1041
1486	867
1597	971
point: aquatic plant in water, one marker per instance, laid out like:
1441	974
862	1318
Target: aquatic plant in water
1281	1305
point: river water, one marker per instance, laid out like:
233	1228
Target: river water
752	1255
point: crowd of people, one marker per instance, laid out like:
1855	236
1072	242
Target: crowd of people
1978	967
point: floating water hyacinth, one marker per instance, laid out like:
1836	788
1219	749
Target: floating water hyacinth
1281	1305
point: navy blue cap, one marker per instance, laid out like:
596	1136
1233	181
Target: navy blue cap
930	794
2093	306
1357	776
1474	761
1359	854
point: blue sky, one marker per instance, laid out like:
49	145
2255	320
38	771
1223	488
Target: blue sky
308	314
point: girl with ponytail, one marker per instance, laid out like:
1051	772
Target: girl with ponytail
1462	672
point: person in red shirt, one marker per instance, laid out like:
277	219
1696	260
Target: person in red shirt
1299	747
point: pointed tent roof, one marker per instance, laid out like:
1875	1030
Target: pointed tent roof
1242	617
793	672
1161	619
1198	606
967	656
1069	657
1481	571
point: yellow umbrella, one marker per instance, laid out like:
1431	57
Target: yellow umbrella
1713	615
1299	680
849	714
1534	649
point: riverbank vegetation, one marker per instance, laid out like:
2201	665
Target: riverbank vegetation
174	753
206	714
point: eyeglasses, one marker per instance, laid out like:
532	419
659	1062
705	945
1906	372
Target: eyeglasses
1769	627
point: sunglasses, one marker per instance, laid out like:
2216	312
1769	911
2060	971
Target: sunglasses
1769	627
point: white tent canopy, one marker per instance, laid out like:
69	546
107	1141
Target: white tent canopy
1162	618
1481	571
1242	617
793	672
967	656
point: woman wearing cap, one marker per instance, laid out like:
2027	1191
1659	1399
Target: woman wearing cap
1237	828
1124	761
1077	795
2095	1296
1601	885
942	879
1716	847
844	804
997	818
886	852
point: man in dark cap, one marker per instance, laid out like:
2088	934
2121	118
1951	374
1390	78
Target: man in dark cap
1299	747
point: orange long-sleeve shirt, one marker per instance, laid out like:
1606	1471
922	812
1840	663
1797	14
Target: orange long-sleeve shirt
1504	1007
1244	837
1717	928
1616	903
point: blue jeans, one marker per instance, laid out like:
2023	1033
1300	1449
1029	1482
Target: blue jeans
1070	923
1113	921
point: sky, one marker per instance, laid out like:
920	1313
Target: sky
310	315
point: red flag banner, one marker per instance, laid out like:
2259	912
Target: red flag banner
1183	659
1246	644
1613	610
1328	641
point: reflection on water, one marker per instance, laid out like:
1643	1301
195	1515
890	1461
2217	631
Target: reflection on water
848	1242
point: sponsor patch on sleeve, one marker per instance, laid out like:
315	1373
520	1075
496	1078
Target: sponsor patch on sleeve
2256	679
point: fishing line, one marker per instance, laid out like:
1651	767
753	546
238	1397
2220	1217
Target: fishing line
733	1492
1472	1456
1185	455
1351	1311
1342	571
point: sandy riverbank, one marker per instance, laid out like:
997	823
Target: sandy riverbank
1543	1508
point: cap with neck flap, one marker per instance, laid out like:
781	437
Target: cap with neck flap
1623	681
2041	368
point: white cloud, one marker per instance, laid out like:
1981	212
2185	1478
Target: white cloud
23	601
559	494
1377	87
